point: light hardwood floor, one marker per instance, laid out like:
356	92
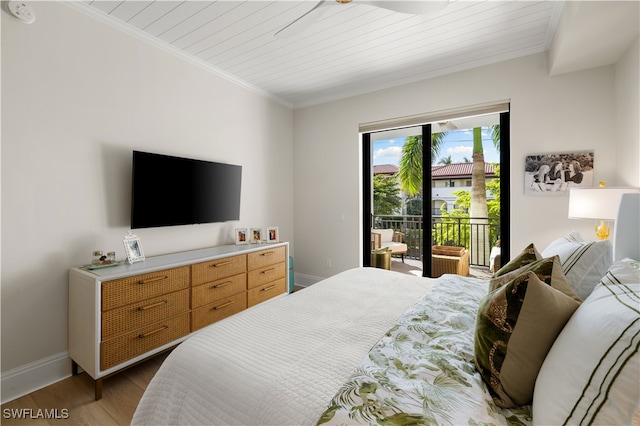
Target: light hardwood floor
75	397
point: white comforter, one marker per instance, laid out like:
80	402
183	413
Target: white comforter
279	362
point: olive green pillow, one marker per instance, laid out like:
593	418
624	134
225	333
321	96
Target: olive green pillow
515	328
527	256
548	270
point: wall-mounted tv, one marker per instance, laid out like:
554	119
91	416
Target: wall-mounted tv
168	191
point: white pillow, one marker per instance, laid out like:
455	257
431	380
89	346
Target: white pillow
583	262
591	375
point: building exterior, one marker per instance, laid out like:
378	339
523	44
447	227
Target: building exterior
445	180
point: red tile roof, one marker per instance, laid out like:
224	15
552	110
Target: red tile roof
385	169
459	170
441	171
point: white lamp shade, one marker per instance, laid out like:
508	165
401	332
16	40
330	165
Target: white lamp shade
596	203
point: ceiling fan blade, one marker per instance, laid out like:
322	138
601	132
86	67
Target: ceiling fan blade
302	22
411	7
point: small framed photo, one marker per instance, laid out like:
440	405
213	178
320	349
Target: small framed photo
256	235
133	248
272	234
242	236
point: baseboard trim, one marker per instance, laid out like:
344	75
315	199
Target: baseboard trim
36	375
305	280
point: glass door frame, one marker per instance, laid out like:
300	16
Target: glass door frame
505	199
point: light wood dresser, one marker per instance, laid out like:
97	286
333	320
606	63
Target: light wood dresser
122	315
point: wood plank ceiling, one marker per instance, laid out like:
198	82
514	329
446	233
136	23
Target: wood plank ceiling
350	49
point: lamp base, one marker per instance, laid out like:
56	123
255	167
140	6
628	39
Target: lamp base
602	230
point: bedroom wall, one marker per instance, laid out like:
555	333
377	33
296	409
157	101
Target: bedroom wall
77	97
627	111
570	112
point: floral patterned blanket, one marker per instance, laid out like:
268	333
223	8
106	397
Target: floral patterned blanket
422	371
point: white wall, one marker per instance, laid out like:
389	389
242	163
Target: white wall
570	112
77	97
627	117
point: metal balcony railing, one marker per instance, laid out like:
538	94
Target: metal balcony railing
478	235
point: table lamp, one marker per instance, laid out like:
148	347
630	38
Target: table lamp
597	203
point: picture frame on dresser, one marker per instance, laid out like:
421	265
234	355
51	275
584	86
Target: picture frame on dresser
273	235
256	235
242	236
133	248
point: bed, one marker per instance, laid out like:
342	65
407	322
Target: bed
552	339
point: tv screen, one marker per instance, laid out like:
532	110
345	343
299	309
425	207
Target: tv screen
168	191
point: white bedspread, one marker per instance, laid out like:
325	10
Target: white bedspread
279	362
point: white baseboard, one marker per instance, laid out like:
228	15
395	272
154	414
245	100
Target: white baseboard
33	376
305	280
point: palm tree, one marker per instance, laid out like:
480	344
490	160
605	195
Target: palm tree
410	172
445	160
478	210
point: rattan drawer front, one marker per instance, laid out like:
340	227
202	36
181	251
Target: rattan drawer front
132	289
124	347
139	314
266	291
216	311
263	258
217	290
266	274
217	269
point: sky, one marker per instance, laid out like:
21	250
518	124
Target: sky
457	143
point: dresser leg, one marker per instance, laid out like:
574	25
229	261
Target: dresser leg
74	368
98	388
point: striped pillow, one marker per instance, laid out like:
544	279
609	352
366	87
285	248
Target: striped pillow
583	262
592	372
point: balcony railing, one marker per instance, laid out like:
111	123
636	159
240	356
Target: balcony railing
478	235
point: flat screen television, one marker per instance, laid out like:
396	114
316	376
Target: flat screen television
169	191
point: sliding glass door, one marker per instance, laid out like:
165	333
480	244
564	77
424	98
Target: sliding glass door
455	202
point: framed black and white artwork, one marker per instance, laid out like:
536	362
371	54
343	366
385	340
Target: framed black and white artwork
556	173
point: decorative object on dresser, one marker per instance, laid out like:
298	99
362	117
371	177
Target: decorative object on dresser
125	314
241	236
256	235
273	236
133	248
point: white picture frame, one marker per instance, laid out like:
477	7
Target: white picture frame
242	236
133	248
273	235
256	235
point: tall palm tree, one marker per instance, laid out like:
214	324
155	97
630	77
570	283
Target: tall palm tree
478	210
410	172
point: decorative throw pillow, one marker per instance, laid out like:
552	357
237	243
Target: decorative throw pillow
515	327
592	373
583	262
527	256
548	270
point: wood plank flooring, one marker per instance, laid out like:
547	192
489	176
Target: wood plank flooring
71	401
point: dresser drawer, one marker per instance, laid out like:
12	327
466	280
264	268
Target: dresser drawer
266	274
266	257
217	290
140	287
216	311
139	314
124	347
216	269
266	291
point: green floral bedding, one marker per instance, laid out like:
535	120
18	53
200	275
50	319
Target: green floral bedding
422	372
